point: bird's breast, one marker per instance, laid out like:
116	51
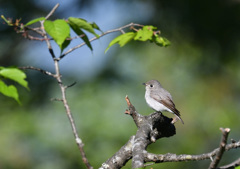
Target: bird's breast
154	104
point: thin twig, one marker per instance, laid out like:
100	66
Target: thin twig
95	38
37	69
52	11
222	146
30	37
71	85
47	41
76	37
37	30
44	32
70	116
56	99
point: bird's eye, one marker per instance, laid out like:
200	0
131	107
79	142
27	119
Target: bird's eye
151	85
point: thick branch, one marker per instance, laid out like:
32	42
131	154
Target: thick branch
119	159
159	158
151	128
113	162
161	125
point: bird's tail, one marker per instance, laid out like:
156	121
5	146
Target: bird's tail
177	113
180	118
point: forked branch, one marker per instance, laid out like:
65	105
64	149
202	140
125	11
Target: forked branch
135	148
221	150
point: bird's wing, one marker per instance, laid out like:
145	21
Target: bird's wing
169	104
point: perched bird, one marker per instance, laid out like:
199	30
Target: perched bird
160	99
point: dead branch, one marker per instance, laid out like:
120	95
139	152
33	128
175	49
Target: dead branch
120	158
151	128
221	150
160	158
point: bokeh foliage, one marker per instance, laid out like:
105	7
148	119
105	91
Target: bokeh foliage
200	68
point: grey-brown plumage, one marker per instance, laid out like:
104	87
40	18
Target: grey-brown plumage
160	99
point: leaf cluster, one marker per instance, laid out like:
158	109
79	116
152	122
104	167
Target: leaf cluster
146	33
15	75
59	30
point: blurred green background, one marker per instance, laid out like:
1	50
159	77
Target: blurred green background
200	69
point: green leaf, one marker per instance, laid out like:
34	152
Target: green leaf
82	24
58	30
34	21
161	41
9	91
79	32
122	39
95	26
15	75
66	43
144	34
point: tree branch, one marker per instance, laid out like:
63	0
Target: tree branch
151	128
222	146
95	38
120	158
44	32
38	69
70	116
160	158
63	88
52	11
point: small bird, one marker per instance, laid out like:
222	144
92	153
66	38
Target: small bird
160	99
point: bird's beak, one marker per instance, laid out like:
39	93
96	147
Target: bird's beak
144	84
